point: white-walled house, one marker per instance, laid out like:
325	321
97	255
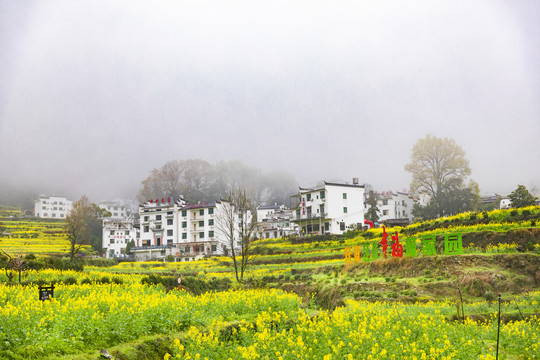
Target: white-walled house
329	208
200	232
117	209
117	233
185	231
52	207
275	221
506	203
395	207
158	222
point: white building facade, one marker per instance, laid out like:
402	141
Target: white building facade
117	209
275	221
329	208
395	207
52	207
185	231
117	234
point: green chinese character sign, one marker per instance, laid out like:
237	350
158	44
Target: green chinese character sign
453	244
428	245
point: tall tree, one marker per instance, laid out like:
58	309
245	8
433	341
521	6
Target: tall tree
237	221
439	169
521	197
371	201
83	226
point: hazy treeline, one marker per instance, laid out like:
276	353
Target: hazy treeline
199	180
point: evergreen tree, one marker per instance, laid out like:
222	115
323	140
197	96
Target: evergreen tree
521	197
372	213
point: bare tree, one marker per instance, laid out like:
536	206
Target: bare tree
237	221
14	264
77	228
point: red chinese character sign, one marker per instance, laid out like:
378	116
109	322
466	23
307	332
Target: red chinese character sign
384	241
397	248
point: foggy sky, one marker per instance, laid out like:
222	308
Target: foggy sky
95	94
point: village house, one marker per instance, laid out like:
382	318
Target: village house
185	231
329	208
116	208
275	221
117	234
52	207
395	208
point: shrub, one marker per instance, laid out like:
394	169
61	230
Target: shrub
70	280
86	281
117	280
105	280
489	296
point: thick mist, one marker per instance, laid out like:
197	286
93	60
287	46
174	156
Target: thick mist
96	94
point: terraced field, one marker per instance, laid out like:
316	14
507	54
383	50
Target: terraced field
300	300
22	235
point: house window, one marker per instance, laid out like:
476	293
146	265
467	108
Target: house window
201	223
146	229
146	218
404	215
169	232
385	202
184	224
201	212
210	222
112	241
186	249
385	212
111	232
211	234
342	226
210	211
344	209
169	242
184	212
214	247
184	236
126	233
169	221
345	196
146	243
323	194
201	235
158	217
308	197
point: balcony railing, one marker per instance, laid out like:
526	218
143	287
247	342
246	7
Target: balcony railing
153	247
311	217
